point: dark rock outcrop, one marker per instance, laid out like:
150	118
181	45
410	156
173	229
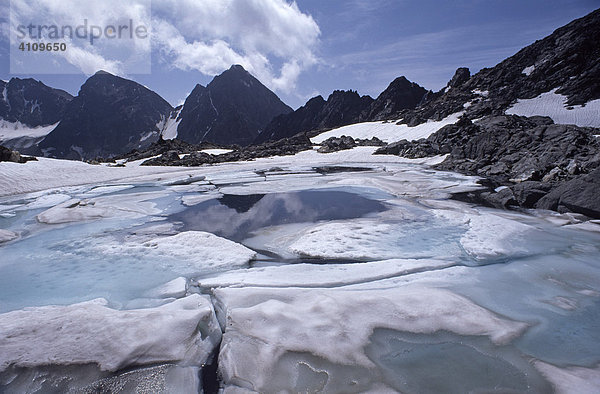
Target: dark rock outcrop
344	142
543	165
340	109
283	147
109	116
13	156
233	109
401	94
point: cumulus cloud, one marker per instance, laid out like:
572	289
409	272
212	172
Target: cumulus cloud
120	56
272	39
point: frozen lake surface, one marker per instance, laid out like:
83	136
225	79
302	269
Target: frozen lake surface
288	277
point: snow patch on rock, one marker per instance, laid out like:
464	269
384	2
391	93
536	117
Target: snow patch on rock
388	131
554	105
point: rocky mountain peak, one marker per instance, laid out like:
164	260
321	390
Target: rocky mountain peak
232	109
31	103
461	76
109	116
401	94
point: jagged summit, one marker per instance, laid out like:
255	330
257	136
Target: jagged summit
341	108
109	116
232	109
399	95
31	102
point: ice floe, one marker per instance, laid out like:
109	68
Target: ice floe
202	250
270	333
321	275
488	235
6	235
571	380
123	205
184	331
173	289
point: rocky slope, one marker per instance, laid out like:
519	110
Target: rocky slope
344	108
567	60
340	108
539	163
232	109
31	103
110	115
194	157
528	162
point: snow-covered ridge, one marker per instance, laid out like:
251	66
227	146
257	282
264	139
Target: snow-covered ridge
555	106
388	131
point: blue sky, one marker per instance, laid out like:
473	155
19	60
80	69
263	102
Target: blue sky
316	46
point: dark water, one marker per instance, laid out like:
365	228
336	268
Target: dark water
235	217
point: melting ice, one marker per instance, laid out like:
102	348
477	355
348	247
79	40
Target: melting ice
300	281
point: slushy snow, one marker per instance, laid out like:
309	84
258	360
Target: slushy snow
183	331
319	275
268	331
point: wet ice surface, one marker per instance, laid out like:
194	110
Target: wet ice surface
344	281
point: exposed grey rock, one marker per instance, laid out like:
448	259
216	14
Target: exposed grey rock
286	146
13	156
545	165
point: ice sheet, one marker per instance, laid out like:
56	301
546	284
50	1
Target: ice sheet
46	174
183	331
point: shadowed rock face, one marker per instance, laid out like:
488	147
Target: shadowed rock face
344	108
110	115
31	102
341	108
233	109
401	94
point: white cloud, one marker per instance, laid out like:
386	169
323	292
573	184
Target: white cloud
115	55
211	35
272	39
